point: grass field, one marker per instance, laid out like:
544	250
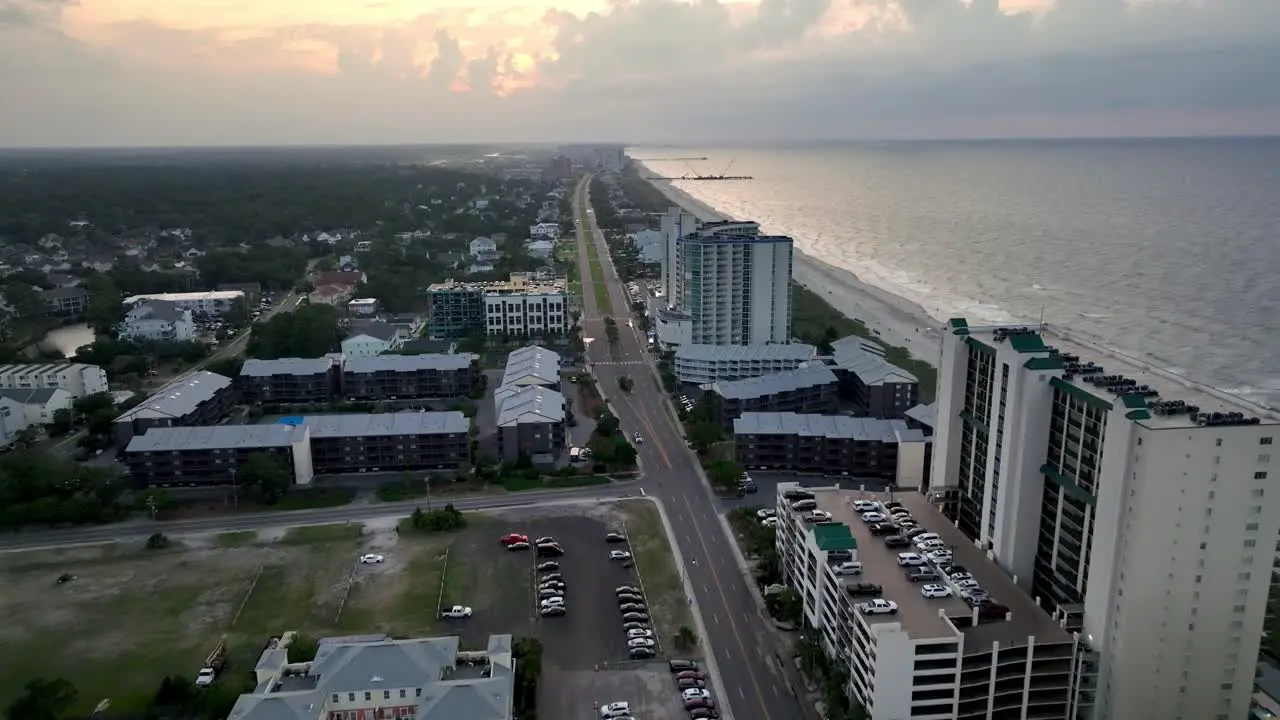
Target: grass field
657	567
133	616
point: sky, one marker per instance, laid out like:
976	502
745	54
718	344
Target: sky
249	72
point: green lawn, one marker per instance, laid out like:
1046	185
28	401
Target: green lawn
603	303
658	572
323	533
236	538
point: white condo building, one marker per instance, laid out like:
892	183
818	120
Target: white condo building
77	379
1136	507
535	311
676	223
208	302
734	284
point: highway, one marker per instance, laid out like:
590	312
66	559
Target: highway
140	529
750	674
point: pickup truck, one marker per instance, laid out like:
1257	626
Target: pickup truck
456	612
206	677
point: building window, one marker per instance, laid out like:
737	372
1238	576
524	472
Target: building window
1261	475
368	696
1264	441
402	693
386	694
351	697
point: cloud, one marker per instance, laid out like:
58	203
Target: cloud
660	70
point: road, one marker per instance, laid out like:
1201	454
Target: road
139	529
750	674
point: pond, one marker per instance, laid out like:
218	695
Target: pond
67	339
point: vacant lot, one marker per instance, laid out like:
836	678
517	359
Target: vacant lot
132	615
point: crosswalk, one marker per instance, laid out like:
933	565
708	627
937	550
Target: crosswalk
618	362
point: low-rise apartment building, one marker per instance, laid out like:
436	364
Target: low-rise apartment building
401	377
832	445
197	398
702	364
808	389
877	387
289	380
77	379
374	677
323	444
158	321
66	300
529	410
930	658
207	302
39	405
520	305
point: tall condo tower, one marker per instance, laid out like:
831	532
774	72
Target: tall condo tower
734	284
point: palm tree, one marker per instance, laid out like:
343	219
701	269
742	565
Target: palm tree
686	638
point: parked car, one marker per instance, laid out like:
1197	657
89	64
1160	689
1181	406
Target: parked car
766	513
456	612
635	626
686	683
641	653
632	607
637	633
511	538
548	566
865	506
371	559
896	541
910	559
615	709
695	674
702	713
550	593
873	517
627	589
518	546
552	577
935	591
797	495
635	616
695	694
923	575
553	611
619	555
628	598
818	516
848	567
641	642
879	606
863	589
883	529
703	703
552	601
614	537
677	666
550	551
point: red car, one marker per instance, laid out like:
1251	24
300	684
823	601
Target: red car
513	538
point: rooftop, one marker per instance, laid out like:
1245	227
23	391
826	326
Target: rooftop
161	310
924	414
29	396
803	377
35	369
517	284
828	426
1078	363
211	295
922	617
285	366
180	397
532	363
374	329
866	360
529	404
741	353
409	363
212	437
383	424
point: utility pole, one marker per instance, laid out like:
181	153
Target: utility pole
235	491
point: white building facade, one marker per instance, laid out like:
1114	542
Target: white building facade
211	302
697	363
536	312
735	285
676	223
77	379
1139	509
158	321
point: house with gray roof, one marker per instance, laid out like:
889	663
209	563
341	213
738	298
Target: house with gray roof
811	388
532	365
368	338
529	410
379	677
197	398
877	387
867	448
401	377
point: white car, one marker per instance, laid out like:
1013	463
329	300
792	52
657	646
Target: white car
865	506
769	522
873	517
640	642
635	437
910	560
925	537
849	567
371	559
818	516
456	612
205	677
879	606
695	694
619	555
957	577
615	709
966	584
940	556
766	513
639	633
553	601
935	591
931	545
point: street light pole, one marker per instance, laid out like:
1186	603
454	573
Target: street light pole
235	491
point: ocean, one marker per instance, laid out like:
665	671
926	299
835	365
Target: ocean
1164	249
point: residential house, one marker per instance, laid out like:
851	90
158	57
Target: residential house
160	321
479	268
483	248
13	420
370	339
330	294
545	231
350	278
540	249
362	307
67	300
39	405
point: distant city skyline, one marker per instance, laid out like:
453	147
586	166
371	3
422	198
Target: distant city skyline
286	72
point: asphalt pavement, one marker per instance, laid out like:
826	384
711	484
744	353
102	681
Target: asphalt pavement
749	672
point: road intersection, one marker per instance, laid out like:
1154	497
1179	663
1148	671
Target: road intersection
750	674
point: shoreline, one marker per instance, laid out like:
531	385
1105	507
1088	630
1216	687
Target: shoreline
891	318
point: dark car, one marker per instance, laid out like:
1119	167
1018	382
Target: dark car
635	626
864	589
951	569
550	551
632	607
993	611
548	566
882	529
891	505
687	683
922	576
615	537
681	665
699	703
748	487
635	617
896	541
627	598
641	653
691	674
699	713
839	555
797	495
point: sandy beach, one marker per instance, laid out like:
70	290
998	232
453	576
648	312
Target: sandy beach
896	320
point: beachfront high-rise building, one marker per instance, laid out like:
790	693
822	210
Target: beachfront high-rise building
724	283
1136	507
